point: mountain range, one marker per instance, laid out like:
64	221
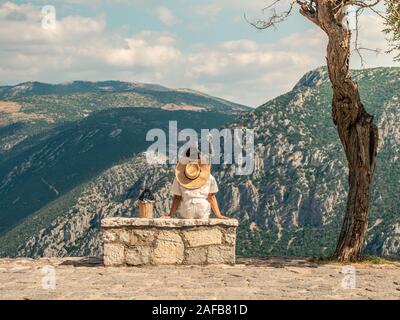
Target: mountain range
292	204
30	108
55	138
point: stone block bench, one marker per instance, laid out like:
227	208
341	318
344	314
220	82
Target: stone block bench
138	241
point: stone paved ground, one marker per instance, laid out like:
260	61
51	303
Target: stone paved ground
268	278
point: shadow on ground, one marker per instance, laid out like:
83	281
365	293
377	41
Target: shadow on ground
272	262
84	262
277	262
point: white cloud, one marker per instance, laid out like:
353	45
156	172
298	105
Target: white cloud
253	72
166	16
249	71
11	11
372	37
139	52
82	48
77	47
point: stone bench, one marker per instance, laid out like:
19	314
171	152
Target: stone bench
138	241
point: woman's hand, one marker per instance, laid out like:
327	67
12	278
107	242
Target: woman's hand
175	204
167	216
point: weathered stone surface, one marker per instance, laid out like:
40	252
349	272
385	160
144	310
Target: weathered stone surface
166	223
142	237
203	237
137	241
230	238
109	236
138	255
124	235
196	255
114	254
221	254
169	248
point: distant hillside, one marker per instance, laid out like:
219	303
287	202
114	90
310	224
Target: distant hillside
39	88
292	204
33	107
46	166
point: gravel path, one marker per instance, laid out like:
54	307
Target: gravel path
267	278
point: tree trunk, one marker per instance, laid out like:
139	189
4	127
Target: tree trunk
359	137
357	132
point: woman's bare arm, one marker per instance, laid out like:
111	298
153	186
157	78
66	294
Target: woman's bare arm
212	199
175	205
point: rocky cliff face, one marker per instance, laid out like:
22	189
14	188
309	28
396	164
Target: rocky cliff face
76	233
294	201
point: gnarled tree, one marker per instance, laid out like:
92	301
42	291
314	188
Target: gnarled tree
356	128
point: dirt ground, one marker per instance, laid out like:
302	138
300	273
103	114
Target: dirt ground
261	278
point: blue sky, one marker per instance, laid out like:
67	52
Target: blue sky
202	45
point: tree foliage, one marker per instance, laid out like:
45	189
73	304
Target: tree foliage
393	25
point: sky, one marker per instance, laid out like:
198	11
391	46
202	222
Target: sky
197	44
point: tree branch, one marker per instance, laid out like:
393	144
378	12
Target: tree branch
309	9
275	17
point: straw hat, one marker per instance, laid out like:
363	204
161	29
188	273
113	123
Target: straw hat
193	174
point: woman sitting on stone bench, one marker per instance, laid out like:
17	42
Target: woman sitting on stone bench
194	189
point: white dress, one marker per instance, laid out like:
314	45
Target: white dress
194	204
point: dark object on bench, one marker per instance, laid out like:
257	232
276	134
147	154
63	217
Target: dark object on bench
146	204
146	195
